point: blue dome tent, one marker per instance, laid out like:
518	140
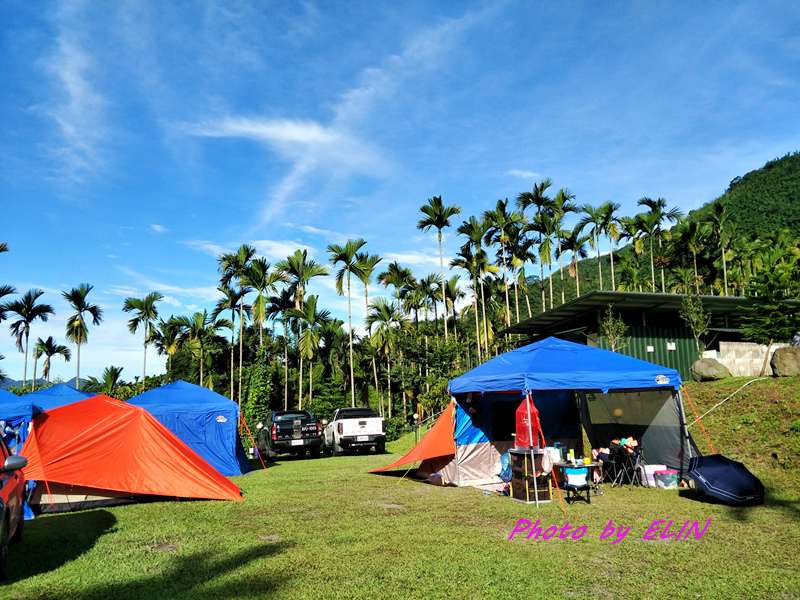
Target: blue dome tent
571	385
55	396
204	420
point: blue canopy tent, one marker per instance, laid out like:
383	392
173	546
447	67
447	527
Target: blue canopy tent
205	421
571	385
16	413
55	396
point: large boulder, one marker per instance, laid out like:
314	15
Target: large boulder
709	369
786	362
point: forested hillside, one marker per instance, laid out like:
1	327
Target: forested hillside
764	200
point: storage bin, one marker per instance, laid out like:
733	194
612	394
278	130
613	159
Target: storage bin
667	479
648	474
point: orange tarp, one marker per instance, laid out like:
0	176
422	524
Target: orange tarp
437	442
103	443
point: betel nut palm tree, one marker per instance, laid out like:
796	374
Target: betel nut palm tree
28	311
299	270
385	316
199	328
50	348
657	216
500	223
346	256
229	301
234	266
438	215
309	340
538	199
77	328
145	312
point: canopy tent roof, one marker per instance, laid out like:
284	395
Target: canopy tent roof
130	452
438	441
205	420
55	396
553	364
14	408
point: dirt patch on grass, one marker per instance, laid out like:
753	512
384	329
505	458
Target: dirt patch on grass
164	547
387	505
269	538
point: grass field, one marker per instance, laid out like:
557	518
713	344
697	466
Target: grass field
326	529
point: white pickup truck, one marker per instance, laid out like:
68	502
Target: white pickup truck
354	429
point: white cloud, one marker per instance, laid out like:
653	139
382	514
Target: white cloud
158	228
204	293
278	250
207	247
414	257
522	174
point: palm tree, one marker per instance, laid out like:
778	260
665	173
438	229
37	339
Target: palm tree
5	290
109	381
386	317
453	295
690	235
595	216
308	343
28	312
500	223
200	328
167	338
438	215
277	308
720	225
609	225
559	207
346	255
476	230
575	243
229	301
521	252
77	330
145	312
397	276
366	266
299	271
547	228
465	260
538	199
659	232
234	266
262	280
50	348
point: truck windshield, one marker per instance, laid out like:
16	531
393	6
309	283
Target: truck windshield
357	413
292	416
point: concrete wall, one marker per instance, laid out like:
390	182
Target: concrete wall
743	359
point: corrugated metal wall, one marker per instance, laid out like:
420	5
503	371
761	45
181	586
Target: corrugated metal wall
644	339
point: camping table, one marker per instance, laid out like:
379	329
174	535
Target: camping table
597	488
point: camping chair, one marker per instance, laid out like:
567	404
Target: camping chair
577	485
624	466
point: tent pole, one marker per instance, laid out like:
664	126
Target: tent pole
530	448
455	413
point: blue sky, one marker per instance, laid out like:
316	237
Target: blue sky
141	139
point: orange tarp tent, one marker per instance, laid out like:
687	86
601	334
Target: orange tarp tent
103	445
437	442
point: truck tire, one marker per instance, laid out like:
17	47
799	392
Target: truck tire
4	551
314	452
326	449
300	454
380	447
270	455
337	449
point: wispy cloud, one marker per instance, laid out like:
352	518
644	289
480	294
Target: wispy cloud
414	257
330	236
147	285
77	107
312	149
522	174
206	247
158	229
279	250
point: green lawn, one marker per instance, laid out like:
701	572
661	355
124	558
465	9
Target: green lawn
326	529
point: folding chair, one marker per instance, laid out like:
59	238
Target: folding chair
624	466
577	486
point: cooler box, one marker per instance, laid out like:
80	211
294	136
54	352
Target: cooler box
667	479
648	474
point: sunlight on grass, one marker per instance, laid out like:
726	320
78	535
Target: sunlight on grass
326	529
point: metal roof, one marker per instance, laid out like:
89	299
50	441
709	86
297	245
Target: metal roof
726	311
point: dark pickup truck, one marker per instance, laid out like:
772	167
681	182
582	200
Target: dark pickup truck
291	431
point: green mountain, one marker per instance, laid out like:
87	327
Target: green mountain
764	200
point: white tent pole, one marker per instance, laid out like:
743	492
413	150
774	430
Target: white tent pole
530	447
455	413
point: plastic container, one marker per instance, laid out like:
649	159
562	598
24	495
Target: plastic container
648	474
666	479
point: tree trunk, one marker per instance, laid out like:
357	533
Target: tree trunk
233	346
696	277
505	284
599	264
389	379
550	278
144	363
477	323
202	384
35	362
377	389
350	334
516	294
77	370
561	271
444	300
285	365
611	251
241	330
652	267
485	327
